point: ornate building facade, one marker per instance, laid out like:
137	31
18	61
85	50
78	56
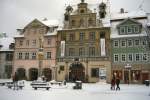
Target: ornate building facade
83	50
35	50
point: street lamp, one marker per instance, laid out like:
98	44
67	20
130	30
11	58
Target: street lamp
128	67
40	56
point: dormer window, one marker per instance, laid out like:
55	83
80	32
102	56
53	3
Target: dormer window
122	30
129	29
129	26
135	29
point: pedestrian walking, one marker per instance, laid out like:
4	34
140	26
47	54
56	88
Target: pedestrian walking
113	84
15	81
117	83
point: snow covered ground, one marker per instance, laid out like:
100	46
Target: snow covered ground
94	91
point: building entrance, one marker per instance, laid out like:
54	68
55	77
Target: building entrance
33	74
77	72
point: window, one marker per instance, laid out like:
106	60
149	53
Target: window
33	55
136	29
137	57
95	72
144	57
48	55
102	34
137	42
21	43
8	70
130	43
92	36
123	57
129	29
82	36
82	11
92	51
71	52
73	22
27	42
33	42
116	43
90	22
49	41
116	57
9	56
144	42
130	57
20	56
72	37
123	43
26	55
81	51
122	30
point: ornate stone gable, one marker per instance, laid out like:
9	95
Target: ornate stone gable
34	24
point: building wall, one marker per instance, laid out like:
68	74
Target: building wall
78	23
5	65
30	44
135	71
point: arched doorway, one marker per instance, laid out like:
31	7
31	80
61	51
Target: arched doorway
33	74
21	73
47	73
77	72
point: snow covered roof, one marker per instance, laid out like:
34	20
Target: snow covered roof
51	33
133	14
127	36
50	23
5	42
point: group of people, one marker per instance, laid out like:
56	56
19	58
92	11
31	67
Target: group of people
115	82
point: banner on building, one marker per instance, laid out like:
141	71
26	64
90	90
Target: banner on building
102	44
62	48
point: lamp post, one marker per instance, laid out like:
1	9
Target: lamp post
128	67
40	56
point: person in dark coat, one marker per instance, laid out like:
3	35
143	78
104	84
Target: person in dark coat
117	83
113	84
15	81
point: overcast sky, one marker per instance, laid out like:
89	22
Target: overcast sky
17	13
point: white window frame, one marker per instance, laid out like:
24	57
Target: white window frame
143	42
123	29
117	43
114	57
132	57
135	42
145	57
125	58
139	57
128	43
137	29
129	27
125	43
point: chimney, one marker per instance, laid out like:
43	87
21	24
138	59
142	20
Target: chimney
121	10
